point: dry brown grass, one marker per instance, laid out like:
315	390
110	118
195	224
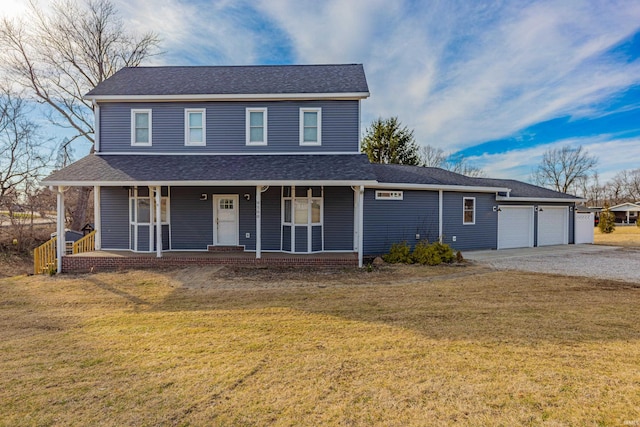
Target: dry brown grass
627	236
406	346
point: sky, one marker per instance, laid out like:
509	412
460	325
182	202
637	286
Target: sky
500	82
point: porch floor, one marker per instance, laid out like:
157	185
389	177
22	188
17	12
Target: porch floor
117	260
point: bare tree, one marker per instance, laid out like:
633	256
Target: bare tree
432	157
438	158
625	186
561	168
23	157
62	52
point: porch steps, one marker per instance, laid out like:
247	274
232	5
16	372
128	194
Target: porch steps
212	248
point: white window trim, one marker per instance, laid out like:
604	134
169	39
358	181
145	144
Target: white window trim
133	127
464	199
309	225
389	195
133	212
262	110
310	110
187	128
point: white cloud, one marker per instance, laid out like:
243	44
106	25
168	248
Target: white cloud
460	72
614	154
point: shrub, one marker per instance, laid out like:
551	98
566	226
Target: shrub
432	254
400	253
607	220
459	257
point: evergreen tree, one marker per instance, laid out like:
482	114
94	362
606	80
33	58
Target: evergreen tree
387	141
607	220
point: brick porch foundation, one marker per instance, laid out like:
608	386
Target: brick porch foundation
86	264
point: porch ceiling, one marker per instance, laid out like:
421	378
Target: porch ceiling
341	169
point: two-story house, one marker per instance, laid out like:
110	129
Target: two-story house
267	159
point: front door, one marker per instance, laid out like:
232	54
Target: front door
225	220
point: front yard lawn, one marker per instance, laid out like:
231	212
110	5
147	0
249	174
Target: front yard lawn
401	346
627	235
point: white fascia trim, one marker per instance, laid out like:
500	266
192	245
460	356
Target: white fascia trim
200	153
206	183
538	199
229	97
435	187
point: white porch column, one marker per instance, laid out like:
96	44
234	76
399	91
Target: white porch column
158	221
258	222
97	220
440	196
360	223
60	223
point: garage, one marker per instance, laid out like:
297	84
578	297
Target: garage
515	227
553	225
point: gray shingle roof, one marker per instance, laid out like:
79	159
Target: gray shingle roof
233	80
436	176
522	189
175	168
127	170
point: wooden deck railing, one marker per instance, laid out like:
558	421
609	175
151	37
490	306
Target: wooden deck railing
86	244
44	257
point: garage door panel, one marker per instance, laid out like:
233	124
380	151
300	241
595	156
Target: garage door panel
515	227
553	225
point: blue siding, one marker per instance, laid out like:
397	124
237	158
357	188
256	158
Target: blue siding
226	127
271	221
338	219
114	207
316	238
286	238
301	239
392	221
192	218
143	238
481	235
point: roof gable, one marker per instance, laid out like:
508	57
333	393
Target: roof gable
234	80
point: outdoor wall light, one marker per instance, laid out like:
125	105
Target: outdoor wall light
247	196
497	209
203	196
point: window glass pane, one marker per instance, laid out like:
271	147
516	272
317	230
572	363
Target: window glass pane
256	118
468	216
468	204
195	120
163	210
286	192
143	210
315	211
310	119
310	134
255	135
195	135
287	211
302	212
142	120
142	135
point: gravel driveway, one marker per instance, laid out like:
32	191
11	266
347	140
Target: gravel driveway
603	262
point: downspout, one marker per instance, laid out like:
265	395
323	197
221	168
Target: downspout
96	127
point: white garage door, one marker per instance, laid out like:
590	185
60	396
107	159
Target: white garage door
553	225
515	227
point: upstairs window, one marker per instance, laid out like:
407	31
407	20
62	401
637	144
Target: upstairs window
141	127
469	210
195	126
310	126
256	120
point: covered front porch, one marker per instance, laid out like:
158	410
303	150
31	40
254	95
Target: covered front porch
287	210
